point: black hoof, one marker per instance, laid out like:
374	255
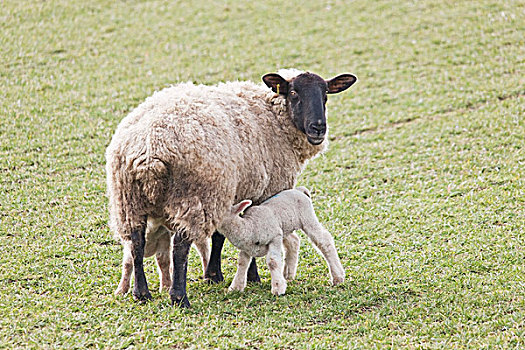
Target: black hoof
180	301
254	278
142	296
253	274
214	278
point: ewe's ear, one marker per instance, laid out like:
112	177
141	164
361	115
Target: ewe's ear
240	207
340	83
277	83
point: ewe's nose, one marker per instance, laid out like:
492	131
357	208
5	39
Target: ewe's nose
318	128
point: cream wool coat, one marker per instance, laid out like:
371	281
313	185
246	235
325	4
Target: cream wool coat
266	229
189	152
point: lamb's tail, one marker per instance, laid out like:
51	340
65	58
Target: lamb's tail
304	190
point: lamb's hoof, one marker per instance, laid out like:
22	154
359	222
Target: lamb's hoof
279	289
142	296
214	277
181	301
121	291
338	280
288	275
164	289
234	288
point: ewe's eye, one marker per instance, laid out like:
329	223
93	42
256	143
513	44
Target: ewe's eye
293	94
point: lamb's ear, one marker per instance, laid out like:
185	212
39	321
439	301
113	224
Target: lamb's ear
340	83
277	83
240	207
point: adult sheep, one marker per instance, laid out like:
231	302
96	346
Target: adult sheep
189	152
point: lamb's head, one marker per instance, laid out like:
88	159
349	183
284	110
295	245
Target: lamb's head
232	221
306	94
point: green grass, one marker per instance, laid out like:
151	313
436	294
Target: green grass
423	185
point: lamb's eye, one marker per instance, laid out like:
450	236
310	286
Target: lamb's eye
293	94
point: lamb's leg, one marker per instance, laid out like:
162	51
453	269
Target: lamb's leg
162	256
213	272
138	241
127	269
239	281
180	250
291	251
253	274
204	250
324	241
275	264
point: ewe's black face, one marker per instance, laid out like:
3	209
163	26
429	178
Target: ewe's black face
306	95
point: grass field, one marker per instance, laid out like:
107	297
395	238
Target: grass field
423	186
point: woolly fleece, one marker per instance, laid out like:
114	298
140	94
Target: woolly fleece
263	230
188	152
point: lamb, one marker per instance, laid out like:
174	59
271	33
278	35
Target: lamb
184	156
263	230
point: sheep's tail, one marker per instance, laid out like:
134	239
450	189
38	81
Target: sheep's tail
127	198
304	190
152	174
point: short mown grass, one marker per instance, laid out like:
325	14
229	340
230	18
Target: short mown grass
422	187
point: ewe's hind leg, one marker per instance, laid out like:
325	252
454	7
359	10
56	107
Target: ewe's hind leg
204	250
275	264
291	251
324	241
127	269
239	281
180	249
138	241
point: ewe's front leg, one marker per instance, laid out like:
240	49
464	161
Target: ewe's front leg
239	281
127	269
253	274
213	271
275	264
324	241
291	253
180	250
